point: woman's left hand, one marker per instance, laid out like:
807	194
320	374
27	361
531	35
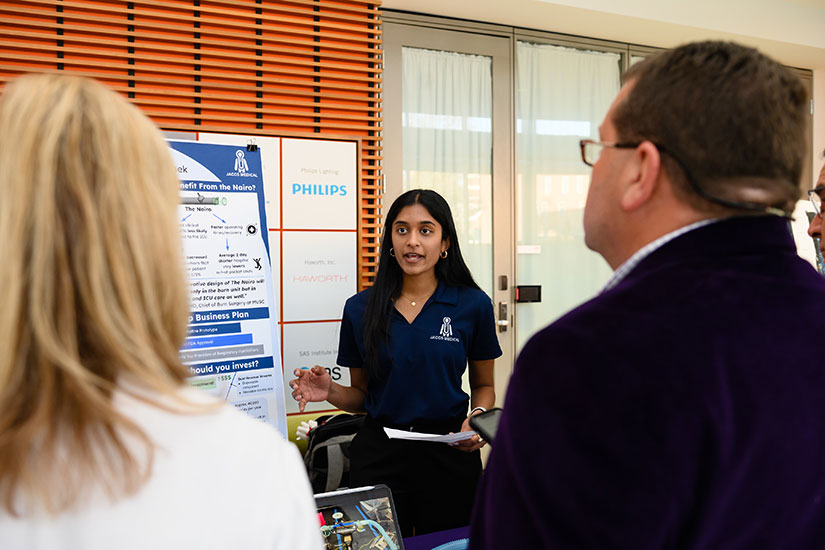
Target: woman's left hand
472	444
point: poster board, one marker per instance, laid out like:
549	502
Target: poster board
231	348
311	210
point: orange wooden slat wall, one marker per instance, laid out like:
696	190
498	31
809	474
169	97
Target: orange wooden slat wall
264	67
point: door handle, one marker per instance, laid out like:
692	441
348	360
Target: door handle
503	319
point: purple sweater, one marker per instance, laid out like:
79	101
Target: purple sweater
684	408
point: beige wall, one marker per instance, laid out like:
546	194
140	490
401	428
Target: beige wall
791	31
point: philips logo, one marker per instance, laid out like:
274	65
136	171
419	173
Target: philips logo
318	189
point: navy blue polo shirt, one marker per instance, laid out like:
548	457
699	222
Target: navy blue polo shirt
427	357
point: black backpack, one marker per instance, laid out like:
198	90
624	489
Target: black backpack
327	456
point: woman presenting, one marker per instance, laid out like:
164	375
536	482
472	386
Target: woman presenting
407	341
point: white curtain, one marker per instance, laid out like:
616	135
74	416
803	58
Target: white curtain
447	140
562	95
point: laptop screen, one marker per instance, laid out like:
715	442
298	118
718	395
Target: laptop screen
359	519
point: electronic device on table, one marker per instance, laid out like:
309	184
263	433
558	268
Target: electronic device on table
359	519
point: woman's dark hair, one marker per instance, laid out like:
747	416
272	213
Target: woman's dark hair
388	279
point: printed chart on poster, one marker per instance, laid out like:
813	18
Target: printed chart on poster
311	189
232	348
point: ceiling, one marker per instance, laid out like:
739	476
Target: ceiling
791	31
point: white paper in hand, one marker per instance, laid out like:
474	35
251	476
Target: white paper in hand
416	436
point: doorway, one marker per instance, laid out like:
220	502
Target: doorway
491	118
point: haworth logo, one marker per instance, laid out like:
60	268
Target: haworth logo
446	331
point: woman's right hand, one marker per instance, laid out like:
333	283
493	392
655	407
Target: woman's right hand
311	385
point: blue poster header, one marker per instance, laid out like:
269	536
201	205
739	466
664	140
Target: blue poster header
224	367
228	315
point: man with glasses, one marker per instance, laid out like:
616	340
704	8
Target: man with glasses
815	195
684	406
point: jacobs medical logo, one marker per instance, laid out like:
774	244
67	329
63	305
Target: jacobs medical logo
241	168
446	331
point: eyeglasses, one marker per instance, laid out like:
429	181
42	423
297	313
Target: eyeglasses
816	198
592	150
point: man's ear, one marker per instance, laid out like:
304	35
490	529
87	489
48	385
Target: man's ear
645	168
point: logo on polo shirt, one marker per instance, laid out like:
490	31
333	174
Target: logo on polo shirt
446	332
446	329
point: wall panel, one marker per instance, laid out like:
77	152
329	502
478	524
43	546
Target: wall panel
285	67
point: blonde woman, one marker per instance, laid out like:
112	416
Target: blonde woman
101	445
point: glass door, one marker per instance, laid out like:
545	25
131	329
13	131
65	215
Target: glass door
492	119
562	95
448	127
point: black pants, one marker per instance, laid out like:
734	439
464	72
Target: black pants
433	485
